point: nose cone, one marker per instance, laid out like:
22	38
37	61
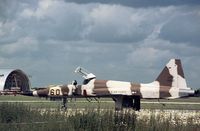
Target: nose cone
40	93
35	93
27	93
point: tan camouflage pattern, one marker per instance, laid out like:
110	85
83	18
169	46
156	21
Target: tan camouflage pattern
55	91
170	83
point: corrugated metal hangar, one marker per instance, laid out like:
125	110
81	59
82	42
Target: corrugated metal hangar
12	79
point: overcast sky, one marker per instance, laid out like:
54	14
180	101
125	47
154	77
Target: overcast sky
131	40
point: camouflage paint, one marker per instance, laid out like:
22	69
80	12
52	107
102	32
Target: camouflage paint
55	91
170	83
166	85
100	87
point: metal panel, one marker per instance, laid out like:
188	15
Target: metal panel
3	76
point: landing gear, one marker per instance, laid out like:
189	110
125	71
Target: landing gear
64	106
127	102
136	105
118	103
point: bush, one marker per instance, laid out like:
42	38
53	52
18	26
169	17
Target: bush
19	117
17	112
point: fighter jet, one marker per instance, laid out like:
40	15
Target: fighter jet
170	84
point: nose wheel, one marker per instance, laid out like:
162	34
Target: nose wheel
64	106
137	105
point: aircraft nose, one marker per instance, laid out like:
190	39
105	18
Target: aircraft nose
27	93
40	93
35	93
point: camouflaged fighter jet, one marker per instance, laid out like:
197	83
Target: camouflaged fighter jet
170	84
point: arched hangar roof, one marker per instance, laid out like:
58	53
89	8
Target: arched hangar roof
6	76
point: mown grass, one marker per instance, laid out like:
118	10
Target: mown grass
20	117
105	103
28	98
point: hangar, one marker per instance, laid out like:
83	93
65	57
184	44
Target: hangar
11	79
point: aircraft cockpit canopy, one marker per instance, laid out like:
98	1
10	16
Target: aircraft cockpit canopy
84	73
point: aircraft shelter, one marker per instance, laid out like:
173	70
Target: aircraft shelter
12	79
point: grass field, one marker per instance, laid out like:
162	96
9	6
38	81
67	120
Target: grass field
28	98
20	117
22	113
105	103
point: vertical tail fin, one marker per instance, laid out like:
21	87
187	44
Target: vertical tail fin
172	75
172	79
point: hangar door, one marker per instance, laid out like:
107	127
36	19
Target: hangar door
17	80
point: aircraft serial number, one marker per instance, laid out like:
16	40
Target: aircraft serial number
118	92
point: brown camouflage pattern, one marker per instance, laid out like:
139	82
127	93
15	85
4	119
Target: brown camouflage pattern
136	88
169	84
100	87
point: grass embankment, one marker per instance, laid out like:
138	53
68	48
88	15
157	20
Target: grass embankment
20	117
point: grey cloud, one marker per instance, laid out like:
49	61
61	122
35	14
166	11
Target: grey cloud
48	40
115	23
62	24
95	22
55	63
140	3
21	46
6	9
151	55
9	9
184	27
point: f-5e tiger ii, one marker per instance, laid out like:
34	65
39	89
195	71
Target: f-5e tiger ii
170	84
